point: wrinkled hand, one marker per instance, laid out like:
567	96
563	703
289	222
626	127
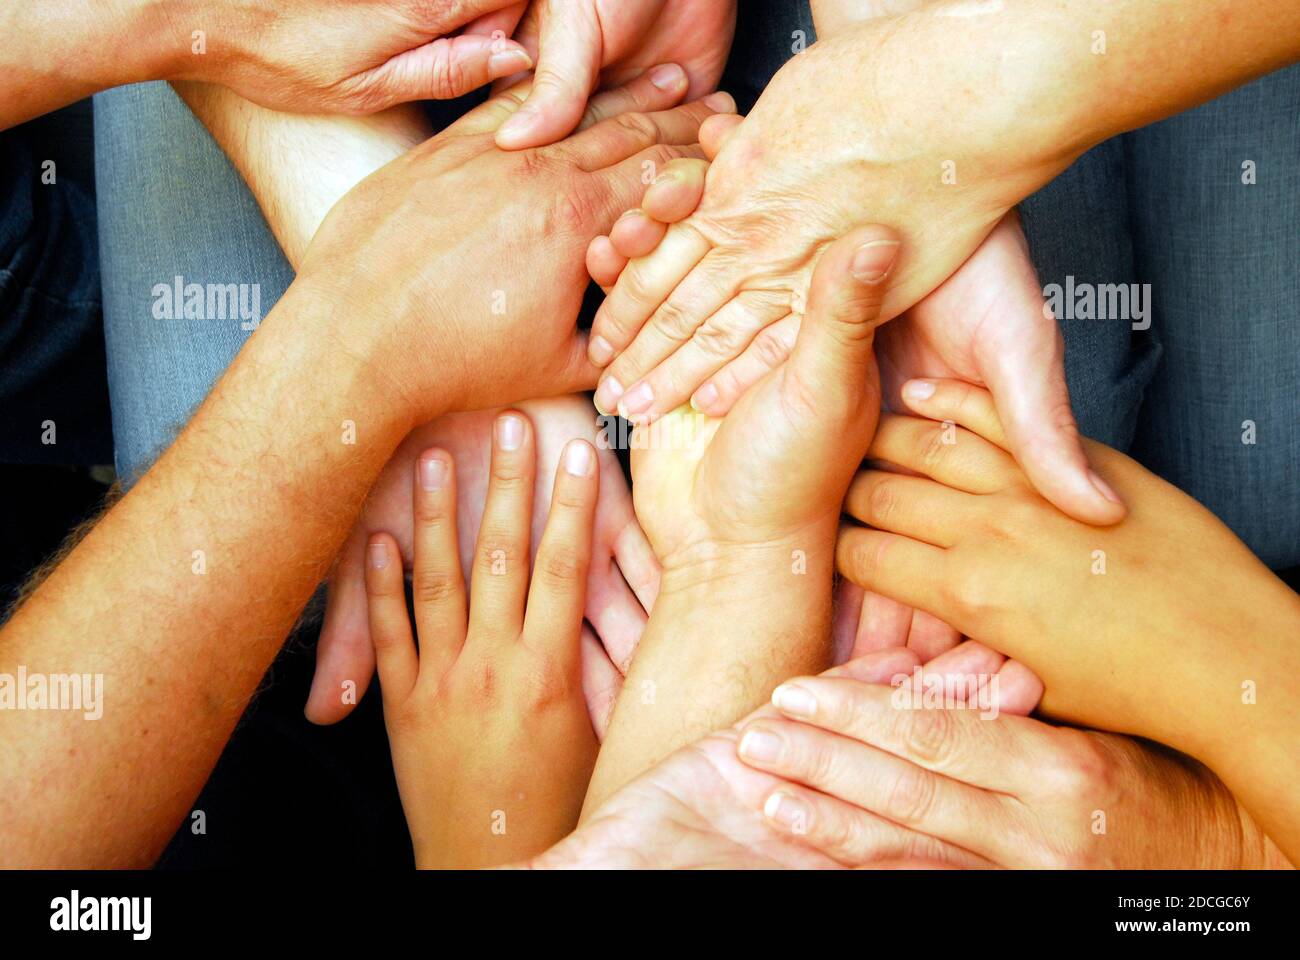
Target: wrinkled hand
621	583
716	302
354	56
701	806
582	44
1013	791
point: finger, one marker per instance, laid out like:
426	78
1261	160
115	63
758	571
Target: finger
659	88
853	836
676	368
636	235
716	131
833	351
676	192
637	561
944	452
879	666
643	286
959	402
444	69
1019	689
906	793
437	584
612	141
390	626
345	656
846	611
884	623
604	263
601	683
929	636
614	613
962	744
1022	359
568	65
912	506
771	348
621	186
503	21
965	673
903	569
559	587
500	578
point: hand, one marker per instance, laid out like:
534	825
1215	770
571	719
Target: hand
696	808
580	44
491	741
356	56
620	554
987	323
500	258
969	541
1013	791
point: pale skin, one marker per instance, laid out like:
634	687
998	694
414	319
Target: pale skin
492	745
356	56
1164	626
181	651
297	167
1014	91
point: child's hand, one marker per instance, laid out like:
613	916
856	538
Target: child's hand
491	740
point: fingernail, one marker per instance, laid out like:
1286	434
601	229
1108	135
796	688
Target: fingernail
918	389
667	76
761	746
706	396
786	810
378	555
510	432
794	700
509	61
872	261
577	459
1104	488
433	473
599	349
720	102
607	395
637	401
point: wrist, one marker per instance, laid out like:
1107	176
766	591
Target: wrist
718	571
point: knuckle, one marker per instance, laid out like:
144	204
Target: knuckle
673	322
433	587
911	796
574	209
639	126
928	735
882	502
933	447
719	340
861	556
548	683
563	565
771	348
970	593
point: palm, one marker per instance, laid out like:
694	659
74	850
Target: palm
695	34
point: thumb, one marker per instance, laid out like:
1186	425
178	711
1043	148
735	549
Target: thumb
848	287
447	68
570	47
1022	361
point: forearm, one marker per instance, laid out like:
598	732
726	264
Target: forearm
56	52
717	643
298	166
182	595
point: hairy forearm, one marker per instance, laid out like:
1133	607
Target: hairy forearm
717	643
182	595
298	166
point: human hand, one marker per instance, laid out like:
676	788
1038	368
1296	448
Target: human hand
502	258
621	584
492	744
987	324
968	540
356	56
1014	791
580	44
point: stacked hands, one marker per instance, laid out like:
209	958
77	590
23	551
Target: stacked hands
876	603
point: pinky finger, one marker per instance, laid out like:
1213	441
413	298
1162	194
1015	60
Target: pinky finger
390	626
851	835
768	350
604	263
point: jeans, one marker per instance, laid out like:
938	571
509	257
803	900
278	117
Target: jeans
1164	206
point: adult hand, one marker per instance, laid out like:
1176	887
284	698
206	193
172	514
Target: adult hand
700	806
582	44
987	324
355	56
622	578
500	257
1013	791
